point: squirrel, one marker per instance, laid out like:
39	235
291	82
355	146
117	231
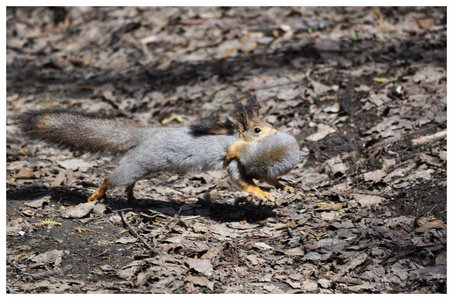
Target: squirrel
248	149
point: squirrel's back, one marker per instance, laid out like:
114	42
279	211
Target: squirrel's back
174	150
79	131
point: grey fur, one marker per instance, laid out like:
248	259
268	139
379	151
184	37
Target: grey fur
175	150
254	156
170	150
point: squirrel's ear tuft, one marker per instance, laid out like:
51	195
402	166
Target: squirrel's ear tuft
240	114
252	106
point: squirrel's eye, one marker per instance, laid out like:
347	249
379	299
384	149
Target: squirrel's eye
257	130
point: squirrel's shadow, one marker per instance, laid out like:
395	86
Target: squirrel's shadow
214	210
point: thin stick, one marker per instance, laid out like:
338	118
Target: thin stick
135	233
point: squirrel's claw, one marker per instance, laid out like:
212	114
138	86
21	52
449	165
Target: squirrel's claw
288	188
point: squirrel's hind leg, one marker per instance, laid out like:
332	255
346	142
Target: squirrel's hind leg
130	192
100	192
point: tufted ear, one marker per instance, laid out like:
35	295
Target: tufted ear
240	114
252	106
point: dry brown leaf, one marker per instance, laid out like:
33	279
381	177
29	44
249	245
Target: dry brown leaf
433	224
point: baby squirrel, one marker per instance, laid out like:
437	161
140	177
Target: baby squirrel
250	149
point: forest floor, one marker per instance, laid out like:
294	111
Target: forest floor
362	89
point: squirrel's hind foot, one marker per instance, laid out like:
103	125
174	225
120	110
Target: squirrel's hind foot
100	192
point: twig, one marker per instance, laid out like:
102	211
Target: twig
262	239
135	233
430	138
427	213
365	193
283	234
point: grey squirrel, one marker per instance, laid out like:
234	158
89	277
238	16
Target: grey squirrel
249	149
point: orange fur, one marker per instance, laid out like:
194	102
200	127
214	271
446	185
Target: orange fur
100	192
252	188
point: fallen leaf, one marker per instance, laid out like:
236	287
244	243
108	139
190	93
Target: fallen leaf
294	285
319	88
128	271
201	281
429	74
49	257
25	173
39	203
309	286
421	174
327	45
323	131
325	283
425	24
374	175
79	211
126	240
335	166
368	200
298	251
262	245
360	287
75	164
428	159
383	79
312	256
250	48
437	223
255	260
202	266
353	263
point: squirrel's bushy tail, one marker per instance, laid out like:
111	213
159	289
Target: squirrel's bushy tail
79	131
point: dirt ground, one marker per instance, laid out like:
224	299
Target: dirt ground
362	89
